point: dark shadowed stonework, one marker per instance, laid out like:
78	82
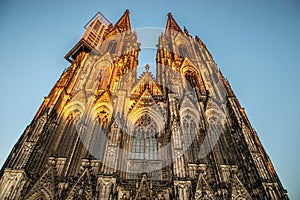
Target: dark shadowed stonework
104	133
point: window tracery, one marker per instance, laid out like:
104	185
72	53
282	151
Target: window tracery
182	51
112	46
144	139
191	77
189	129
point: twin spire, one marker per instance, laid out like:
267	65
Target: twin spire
124	23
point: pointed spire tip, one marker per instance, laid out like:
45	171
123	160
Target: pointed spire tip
172	24
147	67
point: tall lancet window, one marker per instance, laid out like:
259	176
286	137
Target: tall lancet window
191	77
144	139
112	46
182	51
189	130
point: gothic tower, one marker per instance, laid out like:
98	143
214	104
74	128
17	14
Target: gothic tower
104	133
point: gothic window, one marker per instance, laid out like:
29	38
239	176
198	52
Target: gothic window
188	134
103	117
191	78
182	51
104	79
112	46
98	141
144	141
189	130
68	133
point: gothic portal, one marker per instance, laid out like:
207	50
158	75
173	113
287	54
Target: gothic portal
106	133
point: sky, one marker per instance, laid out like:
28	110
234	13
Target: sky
256	44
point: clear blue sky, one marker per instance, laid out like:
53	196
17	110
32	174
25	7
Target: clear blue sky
255	43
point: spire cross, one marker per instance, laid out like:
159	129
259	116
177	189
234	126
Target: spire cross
147	67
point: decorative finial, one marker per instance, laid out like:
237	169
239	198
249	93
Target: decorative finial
186	31
147	67
200	41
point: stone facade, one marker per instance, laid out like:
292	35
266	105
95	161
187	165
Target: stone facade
104	133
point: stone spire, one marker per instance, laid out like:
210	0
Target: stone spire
172	24
124	22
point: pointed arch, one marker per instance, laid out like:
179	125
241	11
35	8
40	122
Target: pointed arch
102	112
189	124
42	194
188	108
144	127
112	46
101	73
73	111
191	78
153	113
68	127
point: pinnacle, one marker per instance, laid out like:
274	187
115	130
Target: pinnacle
172	24
124	22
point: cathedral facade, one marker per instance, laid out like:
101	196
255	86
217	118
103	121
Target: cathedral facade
105	133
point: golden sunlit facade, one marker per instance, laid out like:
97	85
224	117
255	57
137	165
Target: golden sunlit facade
106	133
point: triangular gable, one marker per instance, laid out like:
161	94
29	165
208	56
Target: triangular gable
146	78
113	32
144	191
203	189
181	39
45	185
105	58
187	62
116	123
83	184
187	102
238	189
146	98
147	95
105	97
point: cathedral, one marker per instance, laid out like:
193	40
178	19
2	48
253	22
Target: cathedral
106	132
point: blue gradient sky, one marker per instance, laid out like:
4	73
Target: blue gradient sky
255	43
